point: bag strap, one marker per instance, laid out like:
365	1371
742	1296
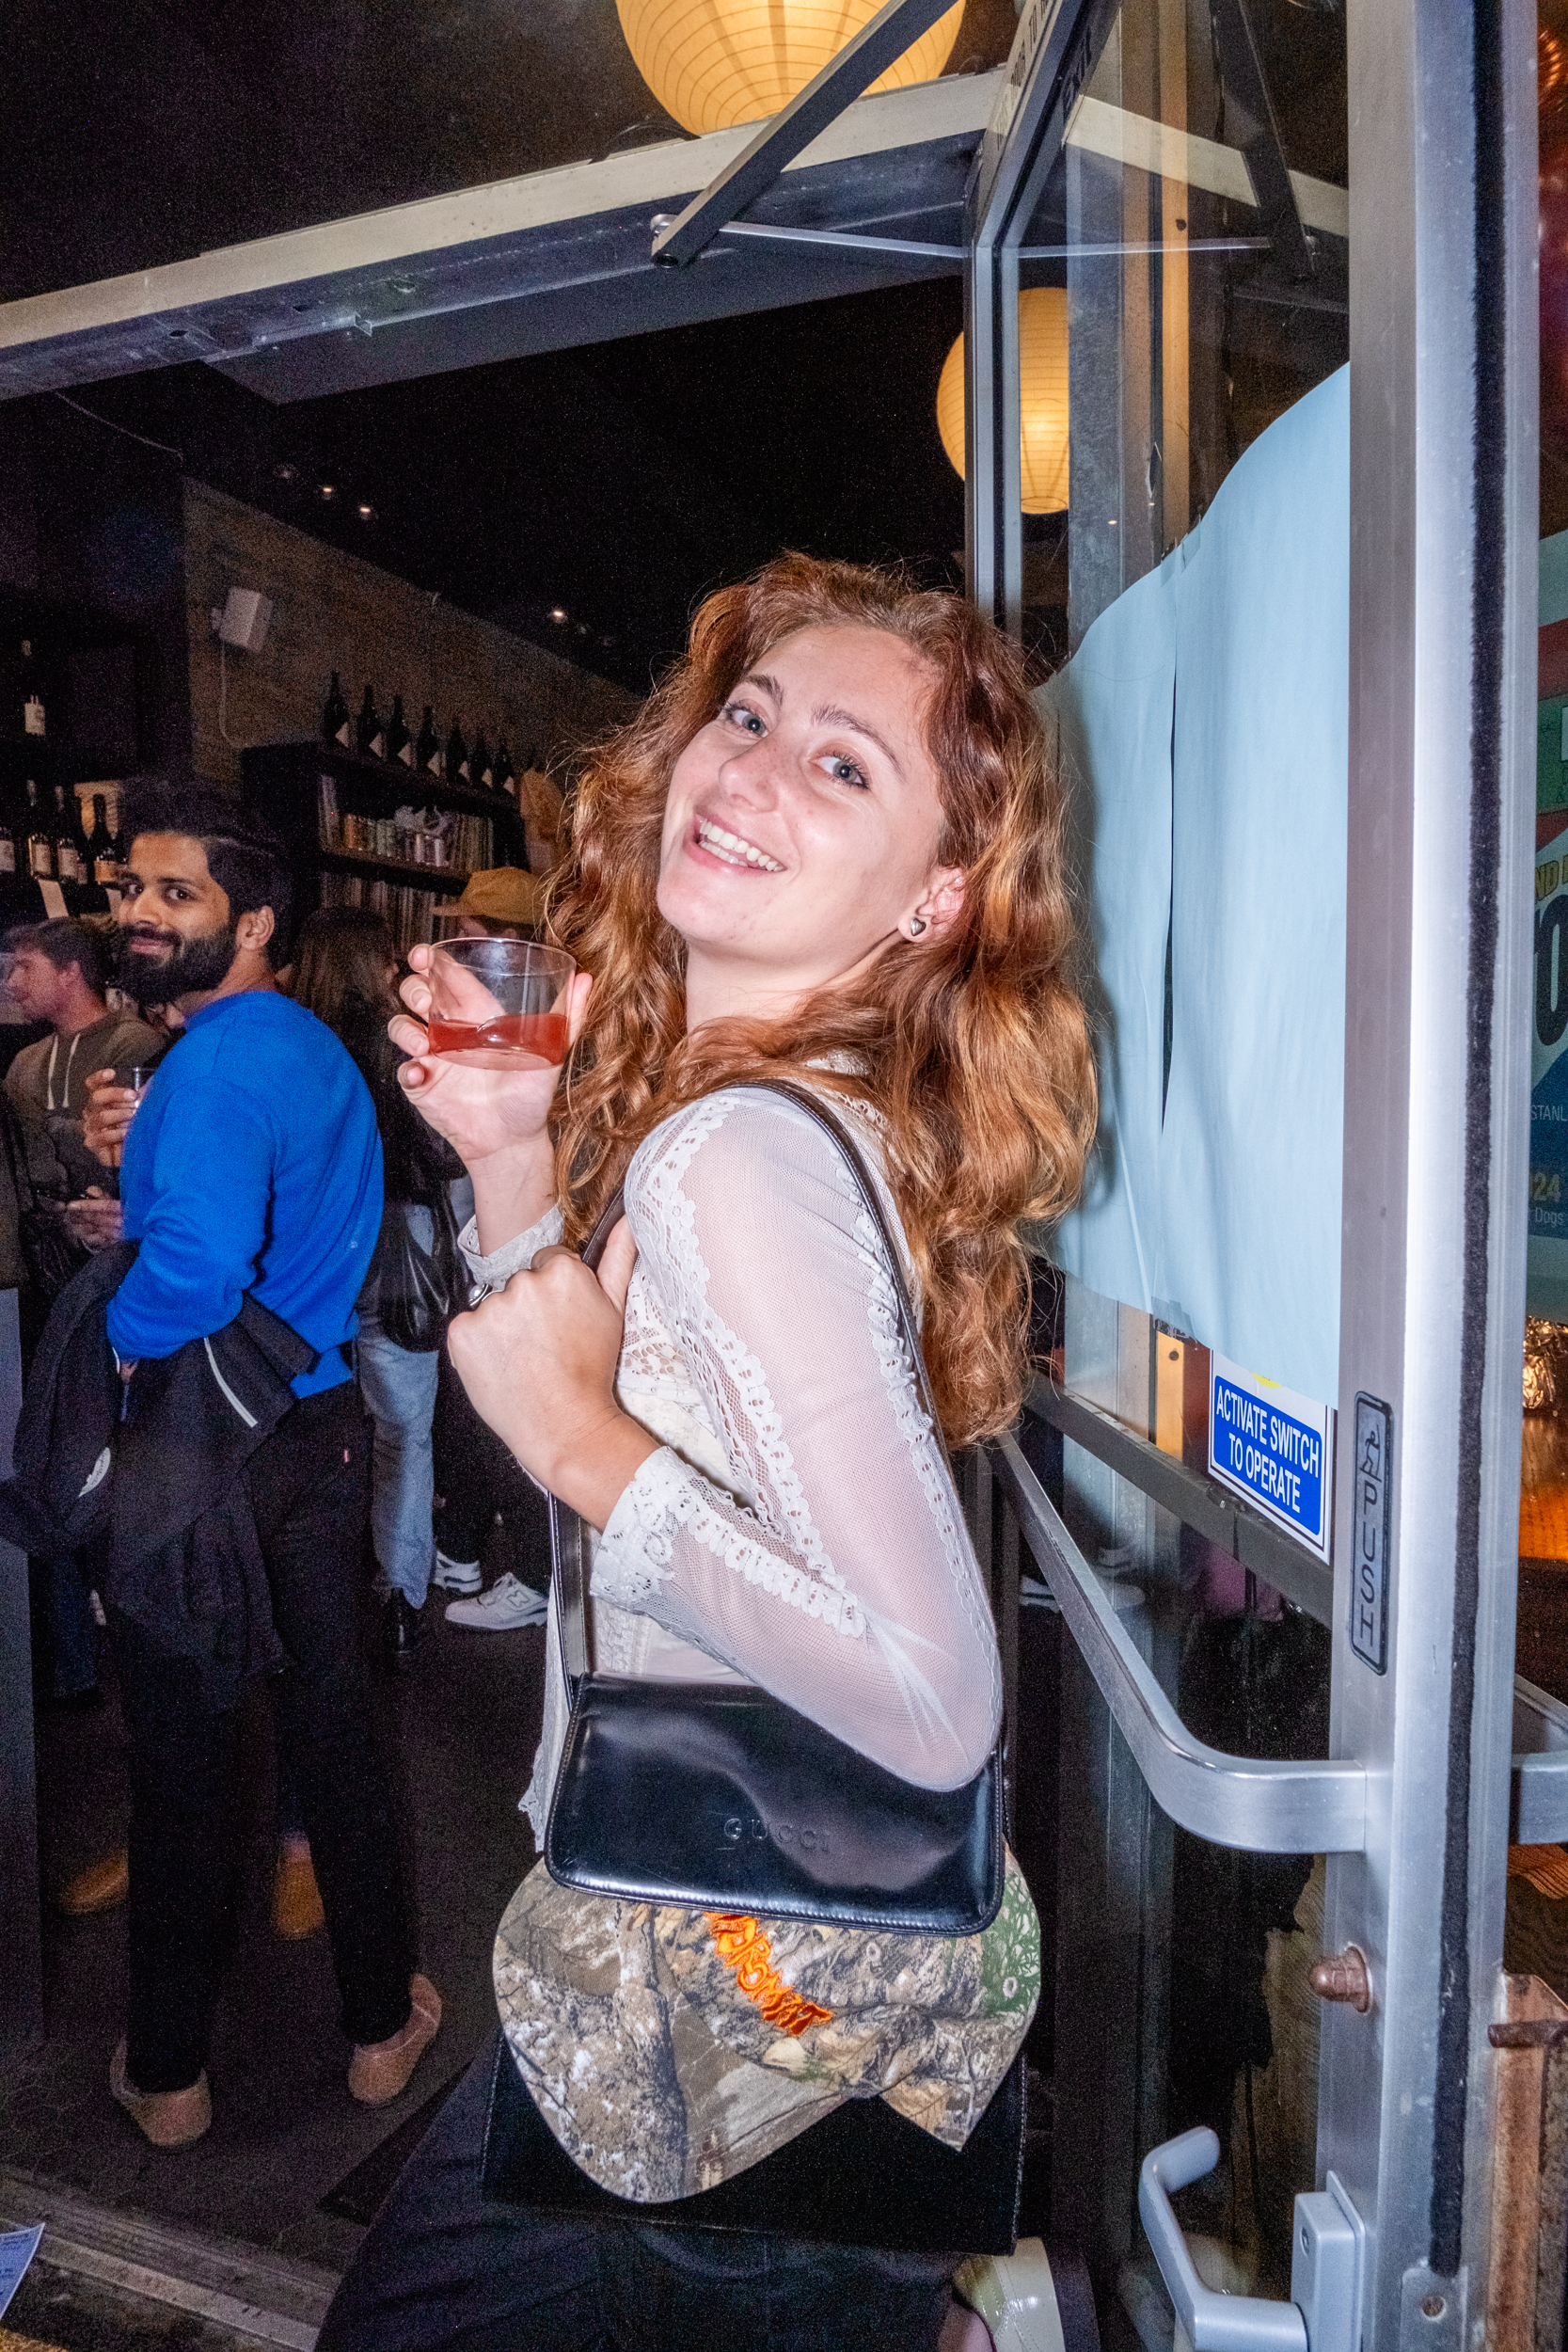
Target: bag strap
568	1534
568	1529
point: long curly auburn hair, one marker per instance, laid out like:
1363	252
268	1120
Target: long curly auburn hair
971	1044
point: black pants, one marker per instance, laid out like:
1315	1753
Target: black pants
309	1489
478	1476
440	2270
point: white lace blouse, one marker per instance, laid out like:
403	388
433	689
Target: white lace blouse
798	1528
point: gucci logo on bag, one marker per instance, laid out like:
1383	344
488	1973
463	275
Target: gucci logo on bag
750	1829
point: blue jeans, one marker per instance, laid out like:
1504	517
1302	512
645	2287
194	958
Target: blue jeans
399	1390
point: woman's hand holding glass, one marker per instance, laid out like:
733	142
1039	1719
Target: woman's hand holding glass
497	1121
538	1360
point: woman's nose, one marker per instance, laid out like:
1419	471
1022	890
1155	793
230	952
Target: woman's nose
752	778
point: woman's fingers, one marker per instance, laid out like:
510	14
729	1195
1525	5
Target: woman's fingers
407	1034
615	1266
415	990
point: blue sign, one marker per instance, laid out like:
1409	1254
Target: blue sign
17	2248
1274	1448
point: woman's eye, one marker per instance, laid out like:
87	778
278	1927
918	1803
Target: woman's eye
845	771
739	716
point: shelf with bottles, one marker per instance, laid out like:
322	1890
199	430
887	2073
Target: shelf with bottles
397	782
446	881
49	835
452	842
470	772
73	689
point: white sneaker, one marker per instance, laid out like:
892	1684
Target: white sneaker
456	1576
1016	2296
505	1605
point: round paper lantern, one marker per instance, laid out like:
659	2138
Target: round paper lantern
1042	399
711	63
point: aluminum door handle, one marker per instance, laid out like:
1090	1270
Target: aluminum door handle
1324	2312
1257	1804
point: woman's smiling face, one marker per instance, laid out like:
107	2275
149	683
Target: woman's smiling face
802	824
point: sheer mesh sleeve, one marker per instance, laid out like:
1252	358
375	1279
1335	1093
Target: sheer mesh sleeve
842	1579
497	1270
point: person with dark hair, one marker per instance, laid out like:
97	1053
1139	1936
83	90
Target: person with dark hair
251	1171
345	973
60	972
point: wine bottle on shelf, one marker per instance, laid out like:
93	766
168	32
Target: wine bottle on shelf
30	698
480	771
427	751
458	769
506	775
400	743
102	857
40	849
68	860
369	735
7	850
336	727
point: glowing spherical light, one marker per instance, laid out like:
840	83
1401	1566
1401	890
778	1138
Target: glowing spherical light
711	63
1042	399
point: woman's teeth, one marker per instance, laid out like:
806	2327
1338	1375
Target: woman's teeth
730	847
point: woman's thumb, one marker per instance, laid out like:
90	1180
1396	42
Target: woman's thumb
615	1265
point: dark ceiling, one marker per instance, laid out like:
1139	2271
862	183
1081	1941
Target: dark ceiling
617	483
141	130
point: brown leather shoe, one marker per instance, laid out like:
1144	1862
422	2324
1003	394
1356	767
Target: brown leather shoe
169	2119
101	1887
380	2070
296	1903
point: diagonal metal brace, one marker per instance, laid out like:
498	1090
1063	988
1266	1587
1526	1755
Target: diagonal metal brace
1241	72
842	80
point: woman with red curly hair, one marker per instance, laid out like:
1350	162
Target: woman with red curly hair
828	851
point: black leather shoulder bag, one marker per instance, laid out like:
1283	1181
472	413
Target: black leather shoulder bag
718	1797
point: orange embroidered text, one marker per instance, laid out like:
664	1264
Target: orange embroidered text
741	1943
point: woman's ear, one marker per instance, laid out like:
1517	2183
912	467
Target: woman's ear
943	901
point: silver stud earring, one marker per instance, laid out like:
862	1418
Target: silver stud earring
917	924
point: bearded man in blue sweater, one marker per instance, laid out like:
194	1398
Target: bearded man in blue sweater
252	1165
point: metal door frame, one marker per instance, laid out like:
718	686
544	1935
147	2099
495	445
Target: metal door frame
1444	406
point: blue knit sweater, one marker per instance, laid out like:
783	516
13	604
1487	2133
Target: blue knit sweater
252	1164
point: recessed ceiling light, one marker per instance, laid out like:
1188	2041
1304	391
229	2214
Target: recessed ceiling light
365	511
329	489
558	612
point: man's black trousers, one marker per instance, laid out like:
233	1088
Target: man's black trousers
309	1491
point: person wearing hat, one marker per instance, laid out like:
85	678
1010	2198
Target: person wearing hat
500	902
474	1468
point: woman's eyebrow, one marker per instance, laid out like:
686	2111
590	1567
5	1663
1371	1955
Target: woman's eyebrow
829	715
761	677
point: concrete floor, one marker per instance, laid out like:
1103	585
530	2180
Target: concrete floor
459	1729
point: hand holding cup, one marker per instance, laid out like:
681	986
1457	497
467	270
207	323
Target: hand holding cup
484	1068
111	1106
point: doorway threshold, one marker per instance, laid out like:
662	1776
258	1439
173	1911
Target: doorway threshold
257	2297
